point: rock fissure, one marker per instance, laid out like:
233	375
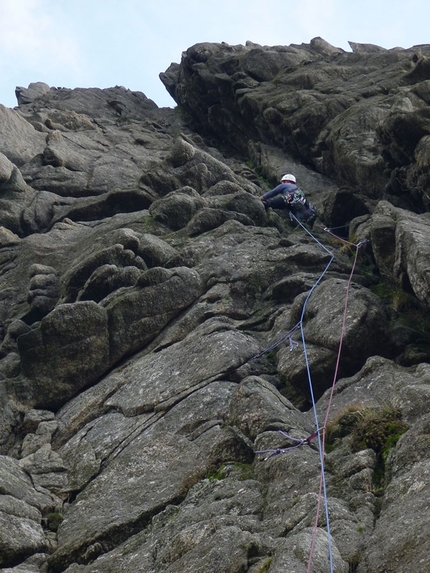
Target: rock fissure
140	276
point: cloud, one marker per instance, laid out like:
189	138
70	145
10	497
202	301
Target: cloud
34	39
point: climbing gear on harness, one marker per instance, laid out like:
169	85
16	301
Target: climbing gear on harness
295	197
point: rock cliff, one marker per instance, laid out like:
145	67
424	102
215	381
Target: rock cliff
190	383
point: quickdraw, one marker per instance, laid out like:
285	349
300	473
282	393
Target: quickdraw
299	442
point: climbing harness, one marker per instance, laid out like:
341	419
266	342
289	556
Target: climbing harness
320	430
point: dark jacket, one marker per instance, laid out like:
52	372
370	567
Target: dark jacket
289	196
282	189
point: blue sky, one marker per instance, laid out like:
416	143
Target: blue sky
103	43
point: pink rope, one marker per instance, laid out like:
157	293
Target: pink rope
323	436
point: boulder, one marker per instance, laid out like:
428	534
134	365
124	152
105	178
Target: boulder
177	208
34	90
20	142
137	314
21	507
15	195
68	350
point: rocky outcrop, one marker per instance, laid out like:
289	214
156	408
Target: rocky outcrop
166	342
359	117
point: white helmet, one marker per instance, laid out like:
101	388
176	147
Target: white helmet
288	177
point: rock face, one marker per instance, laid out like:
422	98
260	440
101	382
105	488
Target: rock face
165	341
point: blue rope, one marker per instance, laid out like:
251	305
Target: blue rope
301	442
299	325
320	448
287	336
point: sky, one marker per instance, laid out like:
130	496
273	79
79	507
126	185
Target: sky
104	43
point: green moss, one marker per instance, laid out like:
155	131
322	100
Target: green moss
329	448
145	225
382	290
265	565
258	174
53	521
398	299
378	429
246	471
270	358
239	470
219	474
342	424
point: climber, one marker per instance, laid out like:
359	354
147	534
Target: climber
288	196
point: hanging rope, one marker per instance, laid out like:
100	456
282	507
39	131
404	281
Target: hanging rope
298	326
322	486
317	434
320	431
